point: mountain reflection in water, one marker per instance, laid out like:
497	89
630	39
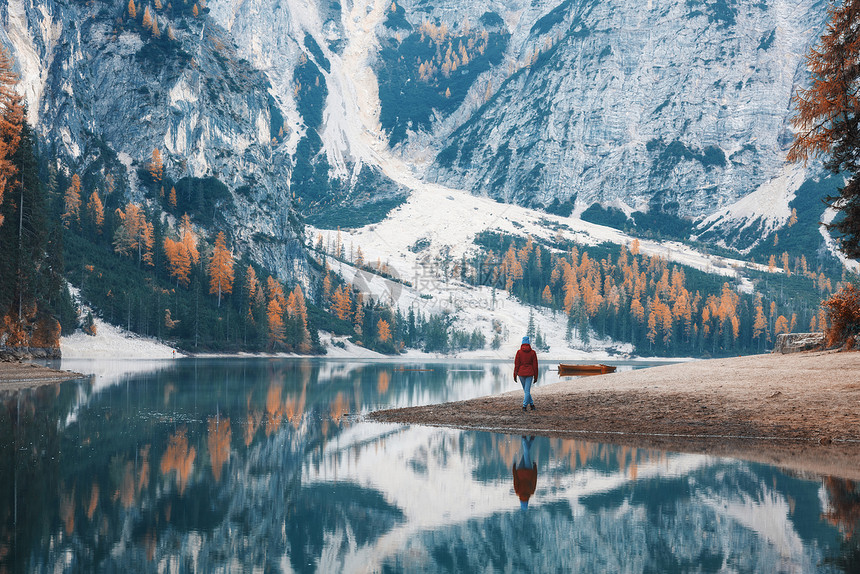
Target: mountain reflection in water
262	464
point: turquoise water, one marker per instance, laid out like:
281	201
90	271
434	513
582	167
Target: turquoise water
268	466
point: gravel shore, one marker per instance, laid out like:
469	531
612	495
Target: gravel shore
16	376
799	410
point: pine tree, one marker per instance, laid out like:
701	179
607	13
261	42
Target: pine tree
132	10
32	289
826	121
220	268
172	197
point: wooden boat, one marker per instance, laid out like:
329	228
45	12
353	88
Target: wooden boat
578	370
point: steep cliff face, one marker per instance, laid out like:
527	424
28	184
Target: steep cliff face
677	106
316	56
105	89
668	106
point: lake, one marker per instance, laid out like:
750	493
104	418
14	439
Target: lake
266	465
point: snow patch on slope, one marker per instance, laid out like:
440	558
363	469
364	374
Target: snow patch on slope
767	205
826	219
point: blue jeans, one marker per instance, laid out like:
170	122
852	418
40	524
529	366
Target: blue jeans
526	460
526	382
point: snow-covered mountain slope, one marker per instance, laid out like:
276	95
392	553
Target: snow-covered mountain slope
441	223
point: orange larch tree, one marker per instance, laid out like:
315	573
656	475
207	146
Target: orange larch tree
11	121
341	303
134	233
220	268
189	238
72	202
302	312
252	285
156	165
96	211
275	314
147	19
546	296
383	330
827	117
178	261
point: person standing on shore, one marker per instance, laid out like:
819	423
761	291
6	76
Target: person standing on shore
526	368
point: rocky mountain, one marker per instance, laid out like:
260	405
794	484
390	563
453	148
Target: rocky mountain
668	107
105	87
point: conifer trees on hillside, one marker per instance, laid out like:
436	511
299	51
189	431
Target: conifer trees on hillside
33	297
11	121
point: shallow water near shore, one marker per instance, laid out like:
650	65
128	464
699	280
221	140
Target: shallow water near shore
244	465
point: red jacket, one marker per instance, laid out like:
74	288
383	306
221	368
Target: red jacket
525	481
526	363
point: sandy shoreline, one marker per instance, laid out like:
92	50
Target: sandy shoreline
800	411
17	376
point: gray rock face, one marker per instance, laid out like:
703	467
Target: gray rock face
682	106
669	105
104	92
797	342
677	106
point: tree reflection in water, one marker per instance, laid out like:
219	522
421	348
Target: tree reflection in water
266	464
843	511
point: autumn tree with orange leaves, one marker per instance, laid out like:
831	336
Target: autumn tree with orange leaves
134	234
275	314
178	261
11	122
96	211
827	115
72	202
156	164
221	268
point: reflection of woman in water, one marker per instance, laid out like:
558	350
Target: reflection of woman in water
525	474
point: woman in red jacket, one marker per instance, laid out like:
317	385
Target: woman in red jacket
526	368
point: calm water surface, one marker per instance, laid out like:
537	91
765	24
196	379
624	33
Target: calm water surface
266	466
